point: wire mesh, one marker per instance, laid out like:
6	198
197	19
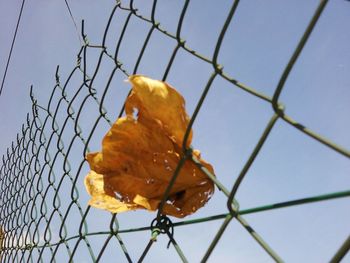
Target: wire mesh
40	171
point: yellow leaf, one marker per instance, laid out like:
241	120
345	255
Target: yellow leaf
2	237
140	154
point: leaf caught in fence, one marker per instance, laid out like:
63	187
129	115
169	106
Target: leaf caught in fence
141	152
2	236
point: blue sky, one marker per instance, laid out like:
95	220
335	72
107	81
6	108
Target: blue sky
256	48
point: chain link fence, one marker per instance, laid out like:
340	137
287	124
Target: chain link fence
41	172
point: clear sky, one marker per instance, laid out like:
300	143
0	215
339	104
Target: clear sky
257	46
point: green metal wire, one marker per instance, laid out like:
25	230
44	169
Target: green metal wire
340	254
28	173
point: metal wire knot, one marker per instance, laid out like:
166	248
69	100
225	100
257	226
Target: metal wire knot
163	225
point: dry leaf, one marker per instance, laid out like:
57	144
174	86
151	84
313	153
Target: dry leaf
2	237
140	153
